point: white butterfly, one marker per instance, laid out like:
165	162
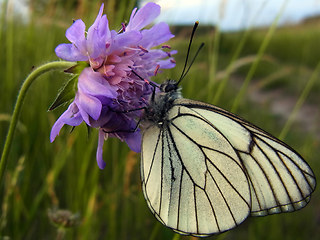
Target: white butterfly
204	170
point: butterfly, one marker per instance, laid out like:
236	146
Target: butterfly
205	170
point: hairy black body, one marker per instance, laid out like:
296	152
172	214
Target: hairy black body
161	103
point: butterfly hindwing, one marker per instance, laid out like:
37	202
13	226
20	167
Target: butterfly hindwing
280	180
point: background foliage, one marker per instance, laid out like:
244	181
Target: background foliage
43	177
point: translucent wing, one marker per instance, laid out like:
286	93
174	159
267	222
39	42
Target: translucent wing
192	177
280	180
205	170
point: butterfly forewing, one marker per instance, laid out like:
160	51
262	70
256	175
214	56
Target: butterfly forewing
200	186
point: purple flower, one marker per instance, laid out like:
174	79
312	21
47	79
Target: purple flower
109	87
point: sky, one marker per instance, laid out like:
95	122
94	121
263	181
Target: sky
230	15
233	15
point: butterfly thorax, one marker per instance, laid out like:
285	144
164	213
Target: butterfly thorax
161	103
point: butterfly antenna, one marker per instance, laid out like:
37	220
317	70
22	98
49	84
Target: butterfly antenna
192	61
188	52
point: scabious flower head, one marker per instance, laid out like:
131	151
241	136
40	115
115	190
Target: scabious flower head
108	86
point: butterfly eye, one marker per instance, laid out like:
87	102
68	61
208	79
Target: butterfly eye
170	87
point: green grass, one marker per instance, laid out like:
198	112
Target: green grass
64	174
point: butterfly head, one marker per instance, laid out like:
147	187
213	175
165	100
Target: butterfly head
169	86
169	90
161	102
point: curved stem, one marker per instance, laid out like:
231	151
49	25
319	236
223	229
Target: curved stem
22	93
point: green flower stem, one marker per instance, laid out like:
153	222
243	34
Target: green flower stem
59	65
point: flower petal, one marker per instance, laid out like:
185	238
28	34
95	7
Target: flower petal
133	140
166	64
76	35
126	39
94	26
143	16
68	117
94	84
105	116
156	35
98	35
90	105
99	154
69	52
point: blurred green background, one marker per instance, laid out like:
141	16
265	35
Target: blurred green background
259	74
